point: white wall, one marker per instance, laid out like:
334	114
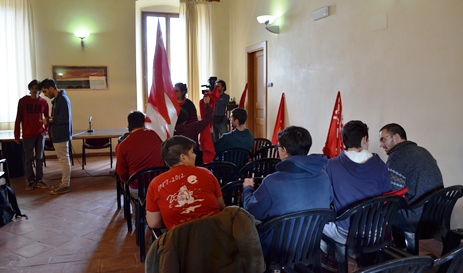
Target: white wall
409	72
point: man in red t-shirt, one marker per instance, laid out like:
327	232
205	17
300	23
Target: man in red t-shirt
140	150
31	110
183	193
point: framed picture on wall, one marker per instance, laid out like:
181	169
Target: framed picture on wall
80	77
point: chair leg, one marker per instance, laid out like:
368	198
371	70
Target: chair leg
341	258
70	153
118	194
127	207
141	231
44	162
83	157
412	242
111	153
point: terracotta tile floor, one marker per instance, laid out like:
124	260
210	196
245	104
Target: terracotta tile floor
81	231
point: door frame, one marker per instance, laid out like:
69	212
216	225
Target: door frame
249	76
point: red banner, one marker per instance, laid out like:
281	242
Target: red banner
280	120
334	144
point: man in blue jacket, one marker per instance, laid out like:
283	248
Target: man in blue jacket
60	124
299	183
241	137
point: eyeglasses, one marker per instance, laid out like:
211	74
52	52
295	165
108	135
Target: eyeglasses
383	139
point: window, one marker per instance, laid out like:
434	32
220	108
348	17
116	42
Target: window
174	39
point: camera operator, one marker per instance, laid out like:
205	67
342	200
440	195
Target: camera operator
220	109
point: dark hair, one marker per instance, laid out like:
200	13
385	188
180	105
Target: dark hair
240	114
353	132
175	146
136	119
223	84
394	128
182	87
33	83
182	116
47	83
296	140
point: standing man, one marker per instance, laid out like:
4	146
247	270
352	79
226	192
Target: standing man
240	137
31	110
409	166
220	111
60	124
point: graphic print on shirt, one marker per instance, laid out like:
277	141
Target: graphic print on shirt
184	197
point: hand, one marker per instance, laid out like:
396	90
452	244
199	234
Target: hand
207	99
248	182
44	121
17	141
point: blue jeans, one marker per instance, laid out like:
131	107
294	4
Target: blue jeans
33	150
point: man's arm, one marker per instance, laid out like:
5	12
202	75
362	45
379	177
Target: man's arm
154	219
221	203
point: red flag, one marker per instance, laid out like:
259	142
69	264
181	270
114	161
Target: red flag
280	121
163	108
243	96
205	138
334	144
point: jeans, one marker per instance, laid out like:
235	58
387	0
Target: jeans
62	152
220	127
31	146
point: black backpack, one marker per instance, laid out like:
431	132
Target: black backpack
8	205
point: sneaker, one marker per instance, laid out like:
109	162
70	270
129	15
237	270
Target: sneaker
31	185
60	190
41	184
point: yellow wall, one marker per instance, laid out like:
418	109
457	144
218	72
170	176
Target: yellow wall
409	72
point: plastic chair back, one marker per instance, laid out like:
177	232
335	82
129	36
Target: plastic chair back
450	262
267	152
260	142
239	157
259	168
295	238
96	143
223	171
231	193
414	264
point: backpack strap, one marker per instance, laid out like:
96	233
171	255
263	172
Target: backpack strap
14	203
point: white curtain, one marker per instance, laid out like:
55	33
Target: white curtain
17	56
196	15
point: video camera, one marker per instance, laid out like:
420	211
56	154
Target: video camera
209	86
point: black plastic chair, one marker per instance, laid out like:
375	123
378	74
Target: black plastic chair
450	262
239	157
96	143
414	264
223	171
435	218
295	238
369	229
267	152
260	142
143	179
4	172
259	168
231	193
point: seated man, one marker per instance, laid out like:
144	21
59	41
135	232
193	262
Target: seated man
299	183
240	137
140	150
184	192
355	175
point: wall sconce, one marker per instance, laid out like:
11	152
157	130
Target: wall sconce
81	35
268	20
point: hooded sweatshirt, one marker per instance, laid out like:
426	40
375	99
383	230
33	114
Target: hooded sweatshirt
234	140
356	176
299	183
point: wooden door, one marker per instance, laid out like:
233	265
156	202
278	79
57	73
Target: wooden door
257	89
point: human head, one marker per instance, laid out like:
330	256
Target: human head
33	87
221	85
295	140
180	90
173	148
135	119
240	115
48	87
390	135
353	134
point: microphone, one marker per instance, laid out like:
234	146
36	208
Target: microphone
90	130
